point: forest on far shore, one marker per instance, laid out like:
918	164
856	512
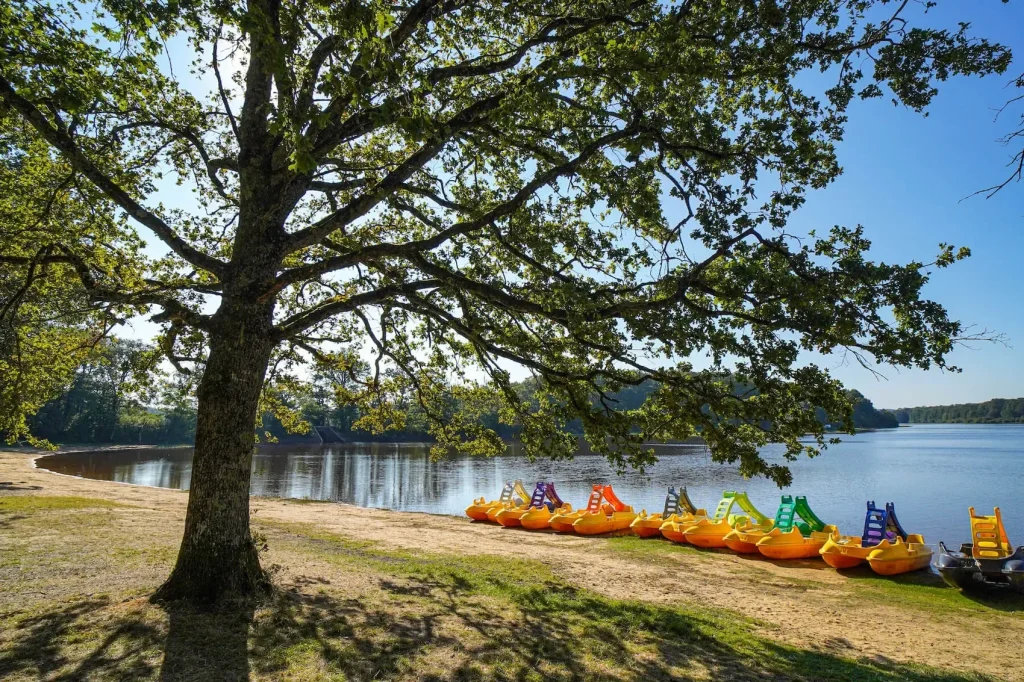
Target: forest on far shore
105	405
995	411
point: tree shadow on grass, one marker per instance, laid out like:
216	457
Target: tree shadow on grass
207	643
11	485
429	628
38	646
447	628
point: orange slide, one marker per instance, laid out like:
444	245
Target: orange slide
604	518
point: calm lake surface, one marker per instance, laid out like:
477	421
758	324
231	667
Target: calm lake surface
932	472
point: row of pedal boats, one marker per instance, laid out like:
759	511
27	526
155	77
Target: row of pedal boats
795	532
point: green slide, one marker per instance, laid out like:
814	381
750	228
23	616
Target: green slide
789	510
810	519
749	510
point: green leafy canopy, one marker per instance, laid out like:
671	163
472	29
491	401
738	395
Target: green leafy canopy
434	191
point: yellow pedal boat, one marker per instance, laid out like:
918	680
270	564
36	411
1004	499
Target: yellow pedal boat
563	519
792	540
880	526
900	556
792	544
711	533
539	517
675	526
511	517
649	525
512	493
744	537
844	551
604	518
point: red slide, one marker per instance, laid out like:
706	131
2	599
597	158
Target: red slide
612	499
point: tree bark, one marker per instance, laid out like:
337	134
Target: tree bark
218	558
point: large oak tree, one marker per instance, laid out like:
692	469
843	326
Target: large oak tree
595	191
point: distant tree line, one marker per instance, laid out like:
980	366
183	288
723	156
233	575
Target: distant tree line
105	404
866	416
995	411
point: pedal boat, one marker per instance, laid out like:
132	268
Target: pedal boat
539	517
744	537
649	525
481	509
844	551
609	517
710	533
675	526
792	540
881	529
988	562
607	520
511	517
563	519
963	571
792	544
901	556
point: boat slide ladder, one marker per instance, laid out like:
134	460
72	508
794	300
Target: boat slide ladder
784	514
724	506
790	510
881	524
506	493
677	503
540	492
603	493
594	501
989	536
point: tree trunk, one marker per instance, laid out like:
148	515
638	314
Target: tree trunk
218	558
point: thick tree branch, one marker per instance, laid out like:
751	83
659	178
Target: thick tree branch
300	322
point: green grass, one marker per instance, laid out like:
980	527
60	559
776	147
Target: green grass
36	503
925	591
643	548
530	616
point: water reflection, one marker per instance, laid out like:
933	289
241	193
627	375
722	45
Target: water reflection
933	473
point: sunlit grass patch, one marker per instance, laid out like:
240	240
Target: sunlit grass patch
926	591
35	503
638	547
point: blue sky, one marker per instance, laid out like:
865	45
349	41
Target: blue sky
907	180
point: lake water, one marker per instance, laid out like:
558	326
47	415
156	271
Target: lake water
932	473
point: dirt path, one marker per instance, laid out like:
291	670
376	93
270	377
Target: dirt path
802	603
